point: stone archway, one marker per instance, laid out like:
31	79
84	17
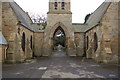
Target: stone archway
59	26
59	39
48	39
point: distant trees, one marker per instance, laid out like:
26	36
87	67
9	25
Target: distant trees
87	17
59	40
39	19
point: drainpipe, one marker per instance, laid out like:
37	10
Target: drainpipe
6	51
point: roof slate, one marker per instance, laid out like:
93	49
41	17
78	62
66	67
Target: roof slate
23	17
97	15
94	18
79	27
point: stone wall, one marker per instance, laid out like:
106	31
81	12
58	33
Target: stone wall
90	51
79	42
65	22
110	32
13	34
28	35
107	33
0	15
66	19
0	29
38	43
119	29
2	54
9	29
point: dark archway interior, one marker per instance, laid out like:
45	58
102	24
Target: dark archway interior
31	40
95	42
23	42
87	42
59	38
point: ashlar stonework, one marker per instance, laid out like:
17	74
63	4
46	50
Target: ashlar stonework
96	39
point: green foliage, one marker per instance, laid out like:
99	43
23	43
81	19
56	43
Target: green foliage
43	24
87	17
59	40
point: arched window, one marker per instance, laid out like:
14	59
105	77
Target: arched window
31	42
87	42
23	41
95	42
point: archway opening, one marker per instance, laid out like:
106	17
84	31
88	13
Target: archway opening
59	40
95	42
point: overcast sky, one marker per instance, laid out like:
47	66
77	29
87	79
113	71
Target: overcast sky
79	8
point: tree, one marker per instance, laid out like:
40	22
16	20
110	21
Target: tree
38	18
87	17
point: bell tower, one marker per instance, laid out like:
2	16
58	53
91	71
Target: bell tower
59	6
59	11
59	16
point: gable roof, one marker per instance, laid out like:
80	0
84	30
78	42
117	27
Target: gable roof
97	15
79	27
2	39
92	21
94	18
23	17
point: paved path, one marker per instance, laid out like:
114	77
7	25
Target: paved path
59	66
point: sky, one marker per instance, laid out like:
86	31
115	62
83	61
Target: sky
79	8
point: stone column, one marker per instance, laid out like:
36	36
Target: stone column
11	49
71	48
47	49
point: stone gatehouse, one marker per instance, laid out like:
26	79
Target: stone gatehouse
97	38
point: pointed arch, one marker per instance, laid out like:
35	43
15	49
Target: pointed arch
23	42
95	42
59	28
56	26
59	37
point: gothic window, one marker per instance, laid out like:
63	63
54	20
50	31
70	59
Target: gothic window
95	42
23	41
31	40
87	42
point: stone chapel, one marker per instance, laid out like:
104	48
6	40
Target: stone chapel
96	39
